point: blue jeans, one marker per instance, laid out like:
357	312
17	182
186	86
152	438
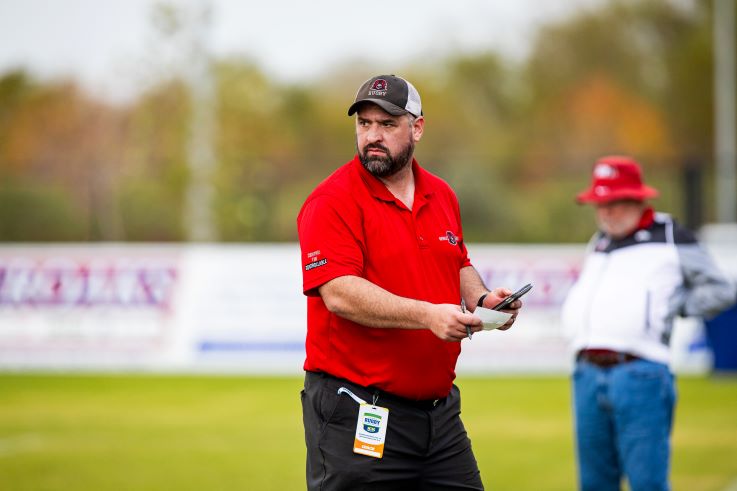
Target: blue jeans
624	416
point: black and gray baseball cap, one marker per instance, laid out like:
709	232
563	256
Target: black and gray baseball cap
393	94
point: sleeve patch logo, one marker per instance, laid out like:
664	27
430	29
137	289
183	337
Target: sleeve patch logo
316	264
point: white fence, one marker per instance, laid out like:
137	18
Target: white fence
239	308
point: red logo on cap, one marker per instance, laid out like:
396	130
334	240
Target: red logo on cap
379	84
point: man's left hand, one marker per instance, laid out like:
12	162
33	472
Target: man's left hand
495	296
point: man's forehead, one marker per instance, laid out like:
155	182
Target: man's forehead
621	203
368	110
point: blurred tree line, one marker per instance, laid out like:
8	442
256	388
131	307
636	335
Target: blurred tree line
516	139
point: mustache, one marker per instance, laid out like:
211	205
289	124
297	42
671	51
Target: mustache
375	146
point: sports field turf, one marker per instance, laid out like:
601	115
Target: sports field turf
81	432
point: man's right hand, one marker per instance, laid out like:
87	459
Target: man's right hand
448	322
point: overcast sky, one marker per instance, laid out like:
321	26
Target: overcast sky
108	44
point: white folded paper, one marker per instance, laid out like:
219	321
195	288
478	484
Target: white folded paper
492	319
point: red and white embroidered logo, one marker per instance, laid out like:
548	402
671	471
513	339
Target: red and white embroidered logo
450	237
379	84
379	87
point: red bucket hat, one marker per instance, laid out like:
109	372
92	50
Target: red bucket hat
616	178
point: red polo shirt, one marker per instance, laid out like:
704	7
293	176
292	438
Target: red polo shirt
352	225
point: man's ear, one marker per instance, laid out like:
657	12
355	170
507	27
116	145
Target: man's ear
418	128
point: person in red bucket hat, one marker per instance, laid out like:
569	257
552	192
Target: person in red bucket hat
641	271
619	194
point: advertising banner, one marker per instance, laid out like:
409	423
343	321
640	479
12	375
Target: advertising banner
240	309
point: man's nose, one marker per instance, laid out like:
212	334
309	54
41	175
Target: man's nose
374	134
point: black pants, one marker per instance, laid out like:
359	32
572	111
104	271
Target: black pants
426	447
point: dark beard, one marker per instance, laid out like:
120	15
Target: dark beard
387	165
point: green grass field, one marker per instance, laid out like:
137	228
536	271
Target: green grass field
78	432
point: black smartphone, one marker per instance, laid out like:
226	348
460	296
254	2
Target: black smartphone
514	296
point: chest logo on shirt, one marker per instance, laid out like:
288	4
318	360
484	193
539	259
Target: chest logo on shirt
450	237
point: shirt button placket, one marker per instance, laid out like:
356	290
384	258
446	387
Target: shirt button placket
421	242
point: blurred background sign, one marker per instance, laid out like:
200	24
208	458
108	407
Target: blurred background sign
239	309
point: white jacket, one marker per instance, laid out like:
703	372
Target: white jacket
630	290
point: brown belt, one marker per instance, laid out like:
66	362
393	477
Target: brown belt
605	358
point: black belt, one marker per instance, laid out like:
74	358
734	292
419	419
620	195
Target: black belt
382	397
605	358
426	404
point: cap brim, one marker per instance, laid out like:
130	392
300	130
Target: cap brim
387	106
638	194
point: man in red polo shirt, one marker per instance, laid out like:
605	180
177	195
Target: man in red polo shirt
385	269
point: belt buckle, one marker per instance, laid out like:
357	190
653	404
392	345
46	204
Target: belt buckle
612	359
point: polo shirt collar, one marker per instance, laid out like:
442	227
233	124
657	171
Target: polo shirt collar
380	191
